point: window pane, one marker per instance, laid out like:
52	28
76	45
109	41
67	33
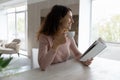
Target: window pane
16	25
3	25
21	28
11	26
106	20
10	10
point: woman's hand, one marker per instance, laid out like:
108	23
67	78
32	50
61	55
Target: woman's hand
58	40
87	63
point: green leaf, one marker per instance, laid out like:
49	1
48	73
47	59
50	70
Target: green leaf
1	60
5	62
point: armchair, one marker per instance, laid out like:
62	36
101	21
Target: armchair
11	48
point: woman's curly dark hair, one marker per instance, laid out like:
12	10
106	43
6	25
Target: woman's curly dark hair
50	25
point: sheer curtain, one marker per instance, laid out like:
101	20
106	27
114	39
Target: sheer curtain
3	25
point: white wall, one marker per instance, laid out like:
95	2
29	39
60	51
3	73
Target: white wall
84	25
34	13
74	7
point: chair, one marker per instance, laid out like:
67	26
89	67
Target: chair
11	48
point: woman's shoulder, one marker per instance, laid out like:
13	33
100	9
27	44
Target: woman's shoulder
44	37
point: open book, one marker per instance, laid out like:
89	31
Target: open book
93	50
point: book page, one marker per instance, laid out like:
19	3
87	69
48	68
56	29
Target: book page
93	50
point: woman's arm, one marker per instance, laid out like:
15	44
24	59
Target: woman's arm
73	47
45	55
77	54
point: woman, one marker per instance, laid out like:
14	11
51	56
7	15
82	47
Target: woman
54	44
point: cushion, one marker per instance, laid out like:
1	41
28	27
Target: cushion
11	45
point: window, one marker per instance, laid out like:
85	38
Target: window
17	24
106	20
3	25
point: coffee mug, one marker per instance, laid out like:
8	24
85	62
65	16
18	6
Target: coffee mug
71	34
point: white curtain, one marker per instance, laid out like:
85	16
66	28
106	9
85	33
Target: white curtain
3	25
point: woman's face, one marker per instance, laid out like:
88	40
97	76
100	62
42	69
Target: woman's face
67	21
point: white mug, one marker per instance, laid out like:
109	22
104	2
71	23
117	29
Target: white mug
71	34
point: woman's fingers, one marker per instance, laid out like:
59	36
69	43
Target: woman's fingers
88	62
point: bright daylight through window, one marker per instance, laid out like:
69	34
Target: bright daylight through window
17	24
106	20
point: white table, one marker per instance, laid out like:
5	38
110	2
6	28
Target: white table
100	69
